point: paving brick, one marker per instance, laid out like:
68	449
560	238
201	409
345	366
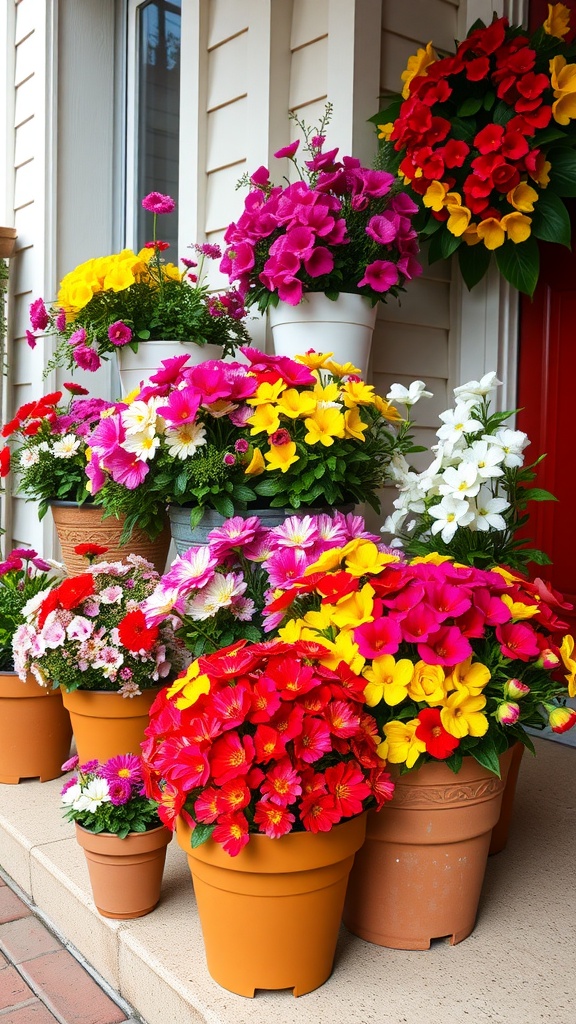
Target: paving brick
3	961
11	906
32	1013
26	938
69	991
13	989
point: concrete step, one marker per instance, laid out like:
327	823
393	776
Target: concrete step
515	967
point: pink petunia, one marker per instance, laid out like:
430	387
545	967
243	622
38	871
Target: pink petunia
287	151
381	275
87	358
447	646
125	468
39	319
517	641
320	262
182	407
383	636
119	333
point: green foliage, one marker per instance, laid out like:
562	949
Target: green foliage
21	579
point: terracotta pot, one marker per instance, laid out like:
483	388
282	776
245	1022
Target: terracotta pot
125	874
106	724
35	730
79	524
501	829
7	242
270	916
420	872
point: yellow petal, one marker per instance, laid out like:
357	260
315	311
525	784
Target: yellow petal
491	232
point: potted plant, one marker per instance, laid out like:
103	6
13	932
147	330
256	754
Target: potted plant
323	249
120	832
266	763
273	433
112	304
35	731
49	445
89	637
7	242
483	139
457	662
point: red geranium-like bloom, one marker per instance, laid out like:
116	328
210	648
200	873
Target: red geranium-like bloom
348	787
439	743
90	550
72	592
4	461
273	820
233	796
318	811
232	833
134	634
231	756
282	784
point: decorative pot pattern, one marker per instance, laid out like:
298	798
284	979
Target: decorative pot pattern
35	730
78	524
106	724
125	874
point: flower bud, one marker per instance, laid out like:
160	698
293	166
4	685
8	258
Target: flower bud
562	719
508	712
516	688
548	659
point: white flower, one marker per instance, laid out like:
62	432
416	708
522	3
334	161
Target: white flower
457	422
159	605
140	416
218	593
92	796
485	458
512	443
33	604
399	468
393	523
449	514
66	447
71	795
44	446
80	628
29	457
143	444
184	441
460	481
487	512
408	396
475	388
111	595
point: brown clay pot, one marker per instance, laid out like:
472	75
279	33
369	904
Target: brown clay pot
106	724
35	730
79	524
7	242
125	874
270	916
501	829
419	874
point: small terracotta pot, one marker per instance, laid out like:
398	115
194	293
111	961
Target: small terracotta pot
35	730
419	874
501	829
106	724
125	874
7	242
270	916
79	524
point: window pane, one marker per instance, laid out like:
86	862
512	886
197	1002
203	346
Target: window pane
158	114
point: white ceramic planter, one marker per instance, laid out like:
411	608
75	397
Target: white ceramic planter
343	327
136	367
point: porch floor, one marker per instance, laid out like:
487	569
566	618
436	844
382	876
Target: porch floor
515	968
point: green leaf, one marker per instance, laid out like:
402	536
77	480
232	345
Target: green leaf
562	171
551	220
538	494
464	129
196	516
200	834
537	556
266	487
243	493
448	243
520	264
223	505
389	113
470	106
435	248
489	100
502	113
487	756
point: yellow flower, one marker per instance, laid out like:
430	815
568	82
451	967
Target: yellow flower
459	218
267	393
324	426
558	21
314	360
385	130
387	680
472	676
190	686
296	629
256	464
517	226
327	561
363	556
402	744
387	410
518	610
353	425
435	196
491	232
462	714
432	557
417	65
566	651
354	609
343	648
505	574
563	81
356	392
523	197
319	619
471	236
541	174
427	684
75	296
265	418
295	403
281	456
326	392
342	369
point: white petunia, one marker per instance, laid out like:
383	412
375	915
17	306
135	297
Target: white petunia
450	514
477	388
487	512
92	796
29	457
485	458
71	794
456	422
184	441
66	447
461	481
400	395
143	444
512	443
140	416
218	593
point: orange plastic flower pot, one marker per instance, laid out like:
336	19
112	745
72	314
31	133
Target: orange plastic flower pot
419	874
125	874
270	916
106	724
501	829
35	730
80	524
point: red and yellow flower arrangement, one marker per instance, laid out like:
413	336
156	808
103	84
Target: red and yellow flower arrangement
485	140
263	739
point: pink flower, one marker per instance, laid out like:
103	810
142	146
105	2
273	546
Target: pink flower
381	275
182	407
119	333
87	358
285	565
517	641
383	228
78	338
32	342
445	647
261	176
191	571
320	262
383	636
125	468
508	712
155	202
60	321
287	151
38	315
234	533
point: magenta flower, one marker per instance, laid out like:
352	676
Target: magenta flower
60	321
381	275
383	636
38	315
383	228
155	202
517	641
87	358
213	252
448	601
320	262
119	333
182	407
120	792
261	176
78	337
445	647
286	565
95	474
236	532
32	342
71	764
192	570
125	468
210	379
287	151
122	766
108	436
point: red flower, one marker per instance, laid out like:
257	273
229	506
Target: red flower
318	812
75	389
314	740
90	550
232	833
348	787
231	755
439	743
517	641
268	743
489	139
10	427
282	784
134	634
232	704
4	461
273	820
233	796
72	592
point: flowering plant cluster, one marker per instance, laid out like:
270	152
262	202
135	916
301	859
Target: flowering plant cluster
49	446
484	139
127	298
456	660
263	739
216	592
23	574
109	796
470	502
277	431
89	632
339	227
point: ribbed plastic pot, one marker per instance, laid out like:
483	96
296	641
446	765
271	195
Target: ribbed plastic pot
35	730
135	368
106	724
344	327
419	874
270	916
125	874
80	524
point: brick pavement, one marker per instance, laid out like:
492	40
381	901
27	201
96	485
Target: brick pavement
40	981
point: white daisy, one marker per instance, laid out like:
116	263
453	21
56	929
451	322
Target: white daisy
143	444
29	457
184	441
66	447
92	796
140	416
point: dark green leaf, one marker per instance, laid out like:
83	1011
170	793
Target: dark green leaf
502	113
487	756
266	487
196	515
448	243
243	493
464	129
488	101
470	106
538	494
223	505
389	113
562	171
520	264
551	220
200	834
537	556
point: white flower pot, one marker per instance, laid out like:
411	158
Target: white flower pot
136	367
343	327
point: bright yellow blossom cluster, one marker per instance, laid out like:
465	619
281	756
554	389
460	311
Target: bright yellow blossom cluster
108	273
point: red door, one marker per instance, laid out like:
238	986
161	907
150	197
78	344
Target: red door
547	394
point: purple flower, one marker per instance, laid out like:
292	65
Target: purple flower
71	764
261	176
86	358
241	446
38	315
119	333
88	767
155	202
381	275
120	792
61	321
214	252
